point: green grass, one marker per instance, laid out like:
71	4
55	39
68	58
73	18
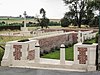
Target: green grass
90	41
16	20
4	39
69	52
56	54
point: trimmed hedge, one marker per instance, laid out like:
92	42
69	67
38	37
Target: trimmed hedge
10	27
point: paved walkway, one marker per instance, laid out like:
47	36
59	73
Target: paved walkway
51	64
25	71
52	61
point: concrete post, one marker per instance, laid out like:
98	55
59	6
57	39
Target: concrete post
62	54
79	38
82	37
37	53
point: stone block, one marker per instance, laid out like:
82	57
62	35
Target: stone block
91	68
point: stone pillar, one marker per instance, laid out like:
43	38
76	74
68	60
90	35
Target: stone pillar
7	58
37	53
62	54
79	38
82	37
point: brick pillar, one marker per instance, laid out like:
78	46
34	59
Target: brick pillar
37	53
62	54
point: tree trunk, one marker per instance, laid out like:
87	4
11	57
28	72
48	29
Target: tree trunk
79	25
79	20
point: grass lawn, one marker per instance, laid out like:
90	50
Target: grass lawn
56	55
69	52
4	39
90	41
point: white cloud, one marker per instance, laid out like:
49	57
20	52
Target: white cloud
54	8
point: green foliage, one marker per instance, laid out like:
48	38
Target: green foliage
56	54
54	23
16	24
42	11
79	10
90	41
44	22
94	22
2	23
96	39
1	54
65	22
53	55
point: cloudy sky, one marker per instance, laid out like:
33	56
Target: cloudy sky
54	8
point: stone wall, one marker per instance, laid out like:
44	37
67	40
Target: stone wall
74	37
46	44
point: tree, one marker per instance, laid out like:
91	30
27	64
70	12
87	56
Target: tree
65	22
44	21
79	10
42	11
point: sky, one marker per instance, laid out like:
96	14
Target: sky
55	9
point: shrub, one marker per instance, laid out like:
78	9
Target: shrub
96	39
1	54
45	52
65	22
54	23
41	53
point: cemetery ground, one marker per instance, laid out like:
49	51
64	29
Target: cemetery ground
52	55
39	71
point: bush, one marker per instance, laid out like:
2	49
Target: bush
54	23
65	22
96	39
1	54
10	27
41	53
45	52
